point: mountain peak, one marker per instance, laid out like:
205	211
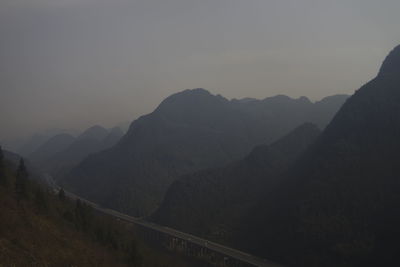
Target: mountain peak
192	93
391	63
98	132
190	98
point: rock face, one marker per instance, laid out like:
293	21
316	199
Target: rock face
209	203
338	205
188	131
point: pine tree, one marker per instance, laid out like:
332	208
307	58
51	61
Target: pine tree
21	181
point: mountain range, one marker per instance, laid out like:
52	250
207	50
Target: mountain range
338	204
62	152
334	203
210	202
187	132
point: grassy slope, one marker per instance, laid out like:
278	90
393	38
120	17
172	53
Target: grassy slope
51	234
28	237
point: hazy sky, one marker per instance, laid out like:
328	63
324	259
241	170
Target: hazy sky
75	63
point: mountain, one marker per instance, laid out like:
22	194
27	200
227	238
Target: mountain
187	132
339	204
31	144
27	145
112	138
95	132
327	105
50	148
92	140
124	126
210	202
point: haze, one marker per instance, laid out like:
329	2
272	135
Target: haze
75	63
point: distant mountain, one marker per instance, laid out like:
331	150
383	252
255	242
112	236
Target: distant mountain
112	138
209	203
188	131
92	140
124	126
50	148
327	105
27	145
33	143
95	132
339	204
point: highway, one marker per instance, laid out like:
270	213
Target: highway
229	252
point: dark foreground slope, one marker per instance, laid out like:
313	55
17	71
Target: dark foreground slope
38	228
209	203
339	205
188	131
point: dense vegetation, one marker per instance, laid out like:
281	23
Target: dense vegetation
188	131
40	228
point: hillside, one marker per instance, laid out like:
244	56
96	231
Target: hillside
38	228
209	203
338	205
188	131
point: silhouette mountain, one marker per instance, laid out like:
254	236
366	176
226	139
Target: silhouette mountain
50	148
112	138
31	144
391	65
95	132
187	132
92	140
339	204
25	146
209	203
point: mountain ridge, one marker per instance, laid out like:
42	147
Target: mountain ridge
336	206
208	202
188	131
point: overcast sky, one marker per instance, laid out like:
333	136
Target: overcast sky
75	63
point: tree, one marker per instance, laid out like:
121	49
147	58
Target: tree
61	194
41	200
133	253
83	215
3	178
21	180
